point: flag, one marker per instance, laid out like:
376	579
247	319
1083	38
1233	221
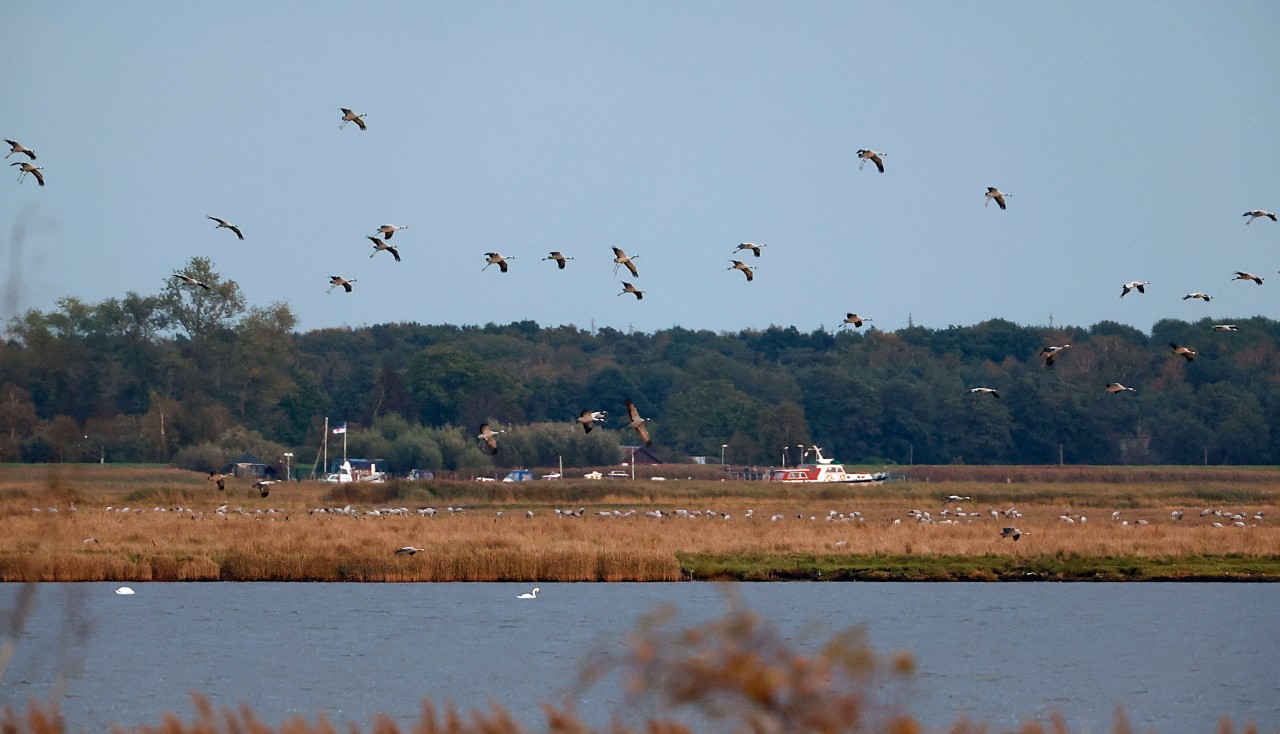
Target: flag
340	429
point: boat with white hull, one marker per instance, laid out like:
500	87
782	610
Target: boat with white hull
824	470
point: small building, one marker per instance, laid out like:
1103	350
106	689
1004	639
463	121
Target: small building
248	465
639	455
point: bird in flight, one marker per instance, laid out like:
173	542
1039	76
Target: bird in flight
224	224
855	319
25	168
1251	215
219	479
380	245
984	391
588	419
1134	285
1182	351
387	230
1115	387
264	486
874	157
16	147
996	195
621	258
1241	275
337	280
558	257
1011	533
1225	327
1202	296
746	269
755	249
487	439
636	422
349	116
629	288
408	550
190	280
493	258
1051	353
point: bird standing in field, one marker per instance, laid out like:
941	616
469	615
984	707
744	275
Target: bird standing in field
1115	387
191	280
874	157
1241	275
224	224
1183	351
1134	285
629	288
349	116
1202	296
996	195
621	258
337	280
25	168
855	319
746	269
493	258
755	249
588	419
636	422
1051	353
1251	215
487	439
16	147
559	257
387	230
380	245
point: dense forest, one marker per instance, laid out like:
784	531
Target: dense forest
195	376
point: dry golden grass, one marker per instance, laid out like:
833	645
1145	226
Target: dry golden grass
278	539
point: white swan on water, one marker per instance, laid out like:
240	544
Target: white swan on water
124	591
533	595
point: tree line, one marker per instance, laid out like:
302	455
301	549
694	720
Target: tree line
194	376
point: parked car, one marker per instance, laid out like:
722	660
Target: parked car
617	474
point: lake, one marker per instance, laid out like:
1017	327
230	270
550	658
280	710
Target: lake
1177	657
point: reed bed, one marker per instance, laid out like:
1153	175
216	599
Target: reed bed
89	523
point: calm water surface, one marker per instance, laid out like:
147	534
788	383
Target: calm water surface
1176	656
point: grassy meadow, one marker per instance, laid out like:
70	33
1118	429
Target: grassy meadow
89	522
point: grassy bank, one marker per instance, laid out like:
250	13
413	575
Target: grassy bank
144	523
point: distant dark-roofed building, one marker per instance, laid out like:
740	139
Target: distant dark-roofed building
248	465
641	454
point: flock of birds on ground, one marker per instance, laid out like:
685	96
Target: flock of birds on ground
953	513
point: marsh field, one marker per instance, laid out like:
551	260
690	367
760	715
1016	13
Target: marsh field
131	523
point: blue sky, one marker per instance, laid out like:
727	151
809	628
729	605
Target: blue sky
1131	135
